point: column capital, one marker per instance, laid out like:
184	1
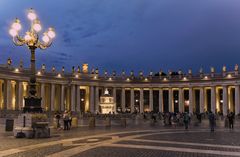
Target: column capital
225	86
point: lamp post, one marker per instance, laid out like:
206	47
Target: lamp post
32	41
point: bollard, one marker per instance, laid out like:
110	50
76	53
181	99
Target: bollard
107	122
74	122
9	125
91	122
123	122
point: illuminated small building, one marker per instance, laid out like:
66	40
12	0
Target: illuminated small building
107	103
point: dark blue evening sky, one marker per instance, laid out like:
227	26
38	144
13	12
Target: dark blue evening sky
130	34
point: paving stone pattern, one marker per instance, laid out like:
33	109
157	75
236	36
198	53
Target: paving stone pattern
127	152
143	130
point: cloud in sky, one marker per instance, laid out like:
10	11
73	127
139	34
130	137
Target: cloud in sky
137	34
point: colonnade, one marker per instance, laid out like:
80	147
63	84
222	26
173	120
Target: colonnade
60	97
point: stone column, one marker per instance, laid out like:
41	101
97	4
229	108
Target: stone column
225	100
73	97
191	100
92	99
20	95
5	100
1	96
115	100
132	100
8	95
123	100
170	100
97	99
151	99
141	100
78	99
237	103
62	97
201	100
42	95
52	96
213	99
180	99
160	100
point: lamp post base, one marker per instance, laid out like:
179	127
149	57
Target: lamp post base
32	105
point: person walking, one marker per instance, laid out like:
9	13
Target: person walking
186	119
153	117
65	120
226	120
57	116
212	120
231	120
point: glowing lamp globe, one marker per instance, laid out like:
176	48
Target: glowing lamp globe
36	26
31	15
51	33
13	32
45	39
16	25
27	37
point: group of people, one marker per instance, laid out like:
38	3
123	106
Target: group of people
180	119
67	120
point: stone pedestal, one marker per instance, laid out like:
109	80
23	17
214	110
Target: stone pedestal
32	104
32	125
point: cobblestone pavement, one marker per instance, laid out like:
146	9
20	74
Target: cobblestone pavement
139	138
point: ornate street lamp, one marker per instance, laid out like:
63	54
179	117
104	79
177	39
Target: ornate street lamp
31	40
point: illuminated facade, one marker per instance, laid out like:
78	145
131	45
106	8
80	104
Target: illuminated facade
107	104
80	90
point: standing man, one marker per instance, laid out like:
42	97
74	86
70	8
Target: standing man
58	119
212	119
66	120
231	120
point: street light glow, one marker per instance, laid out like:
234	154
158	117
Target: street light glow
31	15
16	25
27	37
36	25
31	40
51	33
31	37
13	32
45	38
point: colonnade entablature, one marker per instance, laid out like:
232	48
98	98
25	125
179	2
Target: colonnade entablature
83	74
